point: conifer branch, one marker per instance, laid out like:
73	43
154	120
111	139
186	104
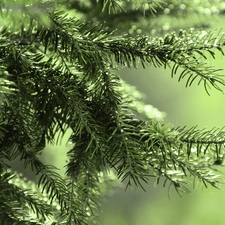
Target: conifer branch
162	52
23	200
57	73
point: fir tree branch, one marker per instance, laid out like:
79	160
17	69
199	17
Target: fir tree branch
168	50
61	72
23	200
202	140
126	53
118	5
167	158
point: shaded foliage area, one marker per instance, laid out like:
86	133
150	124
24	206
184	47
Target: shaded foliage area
59	63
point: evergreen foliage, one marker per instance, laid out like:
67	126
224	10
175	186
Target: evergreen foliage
59	62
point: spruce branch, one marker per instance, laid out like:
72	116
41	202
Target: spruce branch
162	52
167	159
24	201
59	72
117	6
159	54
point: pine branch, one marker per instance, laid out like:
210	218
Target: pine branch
162	52
23	200
164	152
57	74
201	140
159	55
